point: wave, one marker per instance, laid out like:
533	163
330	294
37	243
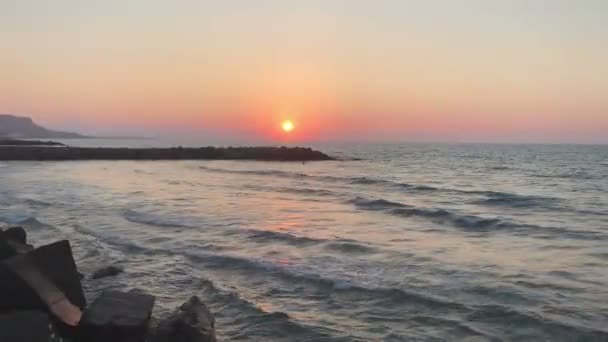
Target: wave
308	191
340	245
270	236
116	240
280	322
350	247
364	180
157	220
348	180
254	172
21	219
603	256
467	222
378	204
347	246
500	168
550	286
578	174
256	323
211	258
36	203
472	223
534	326
328	285
399	185
516	201
493	198
256	267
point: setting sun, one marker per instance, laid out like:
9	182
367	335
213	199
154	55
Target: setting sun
287	126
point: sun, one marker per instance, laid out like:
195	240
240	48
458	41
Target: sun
287	126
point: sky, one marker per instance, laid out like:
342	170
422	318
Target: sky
341	70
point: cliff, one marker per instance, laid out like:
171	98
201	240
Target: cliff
12	126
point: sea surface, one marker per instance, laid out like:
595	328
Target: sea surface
414	242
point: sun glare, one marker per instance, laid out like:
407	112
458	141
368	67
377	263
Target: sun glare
287	126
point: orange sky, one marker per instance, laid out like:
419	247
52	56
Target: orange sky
341	70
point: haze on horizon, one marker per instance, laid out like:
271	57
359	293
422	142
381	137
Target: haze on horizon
341	70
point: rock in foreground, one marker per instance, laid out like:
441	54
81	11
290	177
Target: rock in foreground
30	282
117	316
41	299
26	326
192	322
109	271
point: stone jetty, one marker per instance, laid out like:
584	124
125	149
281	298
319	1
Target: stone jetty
59	152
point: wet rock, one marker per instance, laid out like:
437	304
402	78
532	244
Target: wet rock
27	326
117	317
13	242
16	234
192	322
7	249
31	281
109	271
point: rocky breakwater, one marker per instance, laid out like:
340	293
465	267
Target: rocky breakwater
42	299
24	152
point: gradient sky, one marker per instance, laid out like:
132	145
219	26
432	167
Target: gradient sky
455	70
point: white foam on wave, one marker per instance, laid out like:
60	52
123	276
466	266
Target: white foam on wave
20	218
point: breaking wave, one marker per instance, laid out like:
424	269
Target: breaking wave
472	223
254	172
350	247
576	174
491	198
158	220
517	201
328	285
467	222
377	204
263	325
270	236
21	219
308	191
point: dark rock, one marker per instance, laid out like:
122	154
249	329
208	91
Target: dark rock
16	234
42	276
12	242
192	322
16	142
117	317
27	326
109	271
7	249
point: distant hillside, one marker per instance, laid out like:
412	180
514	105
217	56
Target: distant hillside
15	127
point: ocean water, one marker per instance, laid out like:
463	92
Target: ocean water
414	242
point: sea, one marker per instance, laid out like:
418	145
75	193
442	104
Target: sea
393	242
